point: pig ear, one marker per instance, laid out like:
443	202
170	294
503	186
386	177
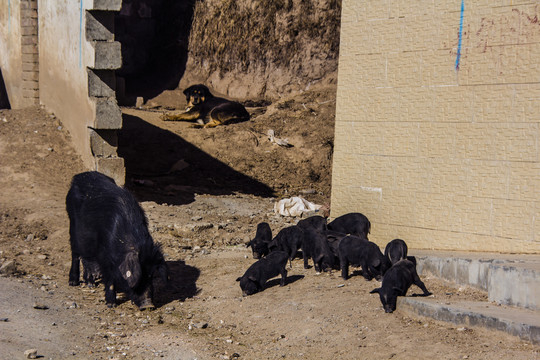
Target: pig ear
131	269
376	262
252	278
377	290
248	244
240	278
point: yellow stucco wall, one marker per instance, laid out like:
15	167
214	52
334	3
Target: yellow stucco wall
441	156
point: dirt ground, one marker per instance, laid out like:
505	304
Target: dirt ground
204	192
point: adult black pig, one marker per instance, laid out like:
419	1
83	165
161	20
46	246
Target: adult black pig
290	240
397	280
356	251
396	250
259	244
352	223
108	227
262	270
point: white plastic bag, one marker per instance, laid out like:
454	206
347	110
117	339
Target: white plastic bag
294	206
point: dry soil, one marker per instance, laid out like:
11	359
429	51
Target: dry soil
204	192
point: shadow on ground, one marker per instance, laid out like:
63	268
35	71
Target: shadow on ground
181	286
165	168
290	279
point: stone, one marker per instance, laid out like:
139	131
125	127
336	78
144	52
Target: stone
8	268
39	306
30	354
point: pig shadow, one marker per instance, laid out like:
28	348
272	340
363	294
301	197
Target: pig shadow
290	279
182	284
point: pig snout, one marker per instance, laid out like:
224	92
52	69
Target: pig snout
388	310
146	304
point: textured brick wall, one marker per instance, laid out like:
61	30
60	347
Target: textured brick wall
30	52
435	147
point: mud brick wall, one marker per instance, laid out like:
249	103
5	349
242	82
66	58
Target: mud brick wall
30	52
438	123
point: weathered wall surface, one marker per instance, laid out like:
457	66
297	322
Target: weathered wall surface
438	129
62	54
78	56
267	48
19	51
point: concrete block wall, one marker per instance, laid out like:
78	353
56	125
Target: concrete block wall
62	55
77	80
438	125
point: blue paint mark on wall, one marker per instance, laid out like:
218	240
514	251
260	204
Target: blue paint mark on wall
460	34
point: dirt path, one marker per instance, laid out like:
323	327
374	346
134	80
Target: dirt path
201	313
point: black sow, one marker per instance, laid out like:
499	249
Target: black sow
108	227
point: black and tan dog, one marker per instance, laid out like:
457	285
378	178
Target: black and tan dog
208	110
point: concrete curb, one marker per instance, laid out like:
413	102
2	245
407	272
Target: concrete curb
522	323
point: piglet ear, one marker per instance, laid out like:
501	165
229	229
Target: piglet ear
248	244
375	291
130	268
252	278
376	262
240	278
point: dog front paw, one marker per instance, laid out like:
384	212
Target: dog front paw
165	117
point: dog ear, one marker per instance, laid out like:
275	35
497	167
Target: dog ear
188	90
377	290
204	90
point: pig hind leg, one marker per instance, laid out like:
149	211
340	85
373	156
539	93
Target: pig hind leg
306	257
421	285
344	264
75	270
283	273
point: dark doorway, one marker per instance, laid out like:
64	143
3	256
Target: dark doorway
154	35
4	101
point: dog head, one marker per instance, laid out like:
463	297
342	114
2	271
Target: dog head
196	94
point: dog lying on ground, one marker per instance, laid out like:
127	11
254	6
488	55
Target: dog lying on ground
208	110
